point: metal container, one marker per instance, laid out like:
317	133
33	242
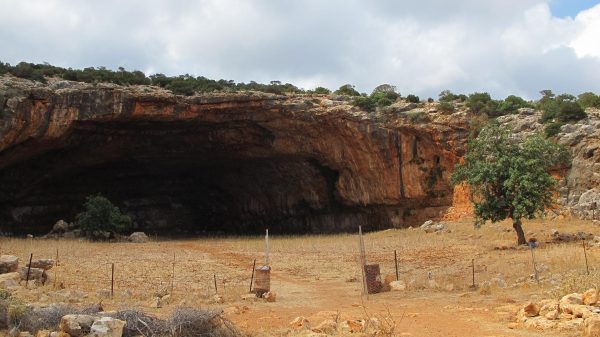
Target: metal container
262	280
373	278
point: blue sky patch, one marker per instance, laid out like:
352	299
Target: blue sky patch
564	8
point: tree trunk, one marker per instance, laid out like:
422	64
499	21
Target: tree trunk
520	234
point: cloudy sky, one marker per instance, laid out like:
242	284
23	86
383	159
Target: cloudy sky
500	46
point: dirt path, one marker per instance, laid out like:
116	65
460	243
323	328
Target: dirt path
419	314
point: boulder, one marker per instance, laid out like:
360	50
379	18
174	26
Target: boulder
431	227
43	333
107	327
552	315
138	237
531	309
397	286
547	306
353	325
592	327
9	280
590	297
36	274
76	325
573	298
60	226
45	264
270	296
300	323
540	323
8	264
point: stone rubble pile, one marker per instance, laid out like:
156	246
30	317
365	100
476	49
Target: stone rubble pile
572	311
11	275
432	227
302	326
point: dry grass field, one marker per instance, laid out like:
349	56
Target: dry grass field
316	276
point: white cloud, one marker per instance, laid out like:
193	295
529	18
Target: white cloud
500	46
586	41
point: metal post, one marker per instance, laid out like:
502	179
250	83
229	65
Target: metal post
173	275
252	278
267	260
28	270
215	278
396	264
362	261
535	272
112	281
587	268
473	270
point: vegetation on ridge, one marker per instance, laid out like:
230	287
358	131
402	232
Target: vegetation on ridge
557	110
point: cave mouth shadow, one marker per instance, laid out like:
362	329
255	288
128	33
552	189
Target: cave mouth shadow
176	178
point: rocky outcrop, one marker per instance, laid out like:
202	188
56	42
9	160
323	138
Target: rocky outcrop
579	187
224	161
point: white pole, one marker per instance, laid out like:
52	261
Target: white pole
267	261
362	261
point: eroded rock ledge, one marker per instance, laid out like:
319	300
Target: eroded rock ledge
236	162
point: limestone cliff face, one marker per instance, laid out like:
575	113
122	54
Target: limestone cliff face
579	187
238	161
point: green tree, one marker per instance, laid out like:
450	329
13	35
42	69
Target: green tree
412	98
322	91
348	90
482	103
100	215
511	104
509	179
386	90
588	100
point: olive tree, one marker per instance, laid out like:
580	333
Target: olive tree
508	178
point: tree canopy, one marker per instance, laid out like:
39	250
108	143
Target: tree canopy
509	179
100	215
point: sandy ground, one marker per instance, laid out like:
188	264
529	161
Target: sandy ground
316	276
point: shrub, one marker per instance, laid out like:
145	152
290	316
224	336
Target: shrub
322	91
348	90
366	103
448	96
563	108
386	90
446	107
412	98
552	129
511	104
589	100
481	103
101	215
415	116
571	111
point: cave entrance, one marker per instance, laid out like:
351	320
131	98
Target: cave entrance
171	177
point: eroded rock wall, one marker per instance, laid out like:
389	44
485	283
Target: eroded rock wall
239	160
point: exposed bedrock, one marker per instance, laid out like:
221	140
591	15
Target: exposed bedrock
238	162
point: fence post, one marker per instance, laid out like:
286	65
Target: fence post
28	270
587	268
396	264
112	280
252	278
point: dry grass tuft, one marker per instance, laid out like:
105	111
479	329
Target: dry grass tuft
189	322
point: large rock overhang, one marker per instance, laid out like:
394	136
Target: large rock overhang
238	162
